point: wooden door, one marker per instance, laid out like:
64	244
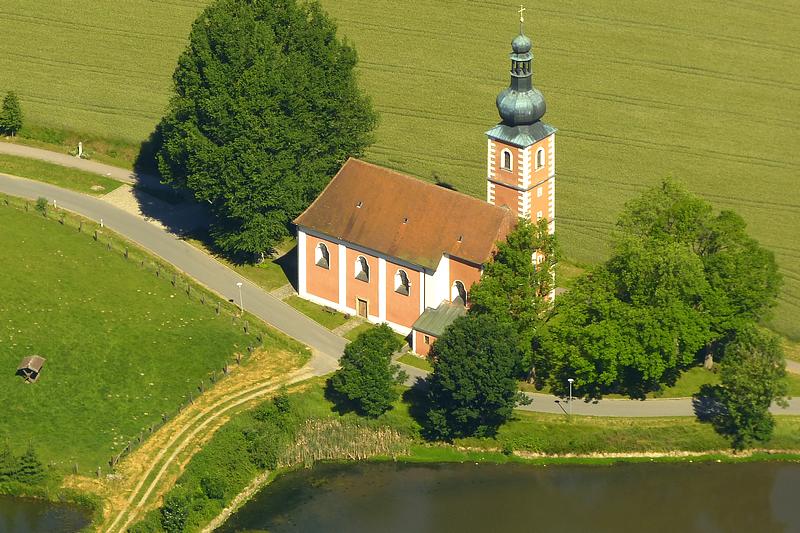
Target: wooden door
362	308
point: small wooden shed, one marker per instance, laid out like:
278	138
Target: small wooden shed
30	367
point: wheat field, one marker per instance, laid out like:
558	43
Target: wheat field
704	92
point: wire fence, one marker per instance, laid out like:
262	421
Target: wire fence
195	293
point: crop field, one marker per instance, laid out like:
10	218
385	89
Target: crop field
704	92
122	346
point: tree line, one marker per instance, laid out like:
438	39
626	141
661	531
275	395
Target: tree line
26	468
683	286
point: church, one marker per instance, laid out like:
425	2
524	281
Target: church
391	248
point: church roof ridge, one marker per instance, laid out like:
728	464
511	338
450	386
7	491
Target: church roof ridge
403	217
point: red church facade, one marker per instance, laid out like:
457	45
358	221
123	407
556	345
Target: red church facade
393	249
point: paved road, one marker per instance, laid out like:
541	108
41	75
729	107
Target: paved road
196	264
326	346
120	174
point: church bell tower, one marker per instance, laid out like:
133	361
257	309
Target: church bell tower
521	148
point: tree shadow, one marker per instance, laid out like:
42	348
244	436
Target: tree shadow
342	405
288	263
708	407
174	207
416	397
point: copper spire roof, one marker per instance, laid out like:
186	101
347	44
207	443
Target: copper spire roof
403	217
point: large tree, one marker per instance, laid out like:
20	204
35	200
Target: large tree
752	378
265	111
632	324
679	282
742	276
472	389
11	114
517	287
366	376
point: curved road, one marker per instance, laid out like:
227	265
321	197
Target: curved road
326	346
203	268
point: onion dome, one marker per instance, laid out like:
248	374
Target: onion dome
521	103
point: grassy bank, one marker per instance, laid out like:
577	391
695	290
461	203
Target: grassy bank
68	178
320	432
127	340
638	91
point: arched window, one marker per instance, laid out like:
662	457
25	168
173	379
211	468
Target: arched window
362	269
401	283
507	160
458	294
322	257
539	158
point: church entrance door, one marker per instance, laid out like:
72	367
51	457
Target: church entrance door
362	307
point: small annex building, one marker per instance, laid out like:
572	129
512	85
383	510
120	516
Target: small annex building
391	248
386	246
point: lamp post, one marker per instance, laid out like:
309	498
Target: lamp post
570	396
241	302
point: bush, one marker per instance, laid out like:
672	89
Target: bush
175	511
41	205
366	376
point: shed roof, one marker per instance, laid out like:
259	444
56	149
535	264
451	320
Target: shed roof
435	321
406	218
32	362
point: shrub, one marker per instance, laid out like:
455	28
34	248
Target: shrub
41	205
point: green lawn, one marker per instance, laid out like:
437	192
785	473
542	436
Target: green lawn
69	178
317	312
122	346
268	275
415	361
358	330
638	91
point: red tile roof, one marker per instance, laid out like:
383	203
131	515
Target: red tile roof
406	218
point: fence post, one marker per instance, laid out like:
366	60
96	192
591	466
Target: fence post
126	252
218	308
246	328
80	226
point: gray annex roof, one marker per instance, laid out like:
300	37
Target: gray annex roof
435	321
521	136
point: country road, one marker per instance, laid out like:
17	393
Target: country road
326	346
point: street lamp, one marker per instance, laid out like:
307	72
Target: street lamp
241	302
570	396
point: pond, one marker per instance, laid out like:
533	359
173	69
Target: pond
389	497
24	515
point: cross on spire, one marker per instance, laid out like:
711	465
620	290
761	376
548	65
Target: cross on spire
521	16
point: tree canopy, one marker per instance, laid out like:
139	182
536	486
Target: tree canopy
366	376
515	287
752	377
472	389
680	279
266	109
11	114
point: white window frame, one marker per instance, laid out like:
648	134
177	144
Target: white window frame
503	155
539	158
361	269
455	293
401	287
322	256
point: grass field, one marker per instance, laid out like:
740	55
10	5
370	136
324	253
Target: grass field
317	312
704	92
122	346
69	178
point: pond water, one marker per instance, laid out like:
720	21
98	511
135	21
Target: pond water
389	497
23	515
